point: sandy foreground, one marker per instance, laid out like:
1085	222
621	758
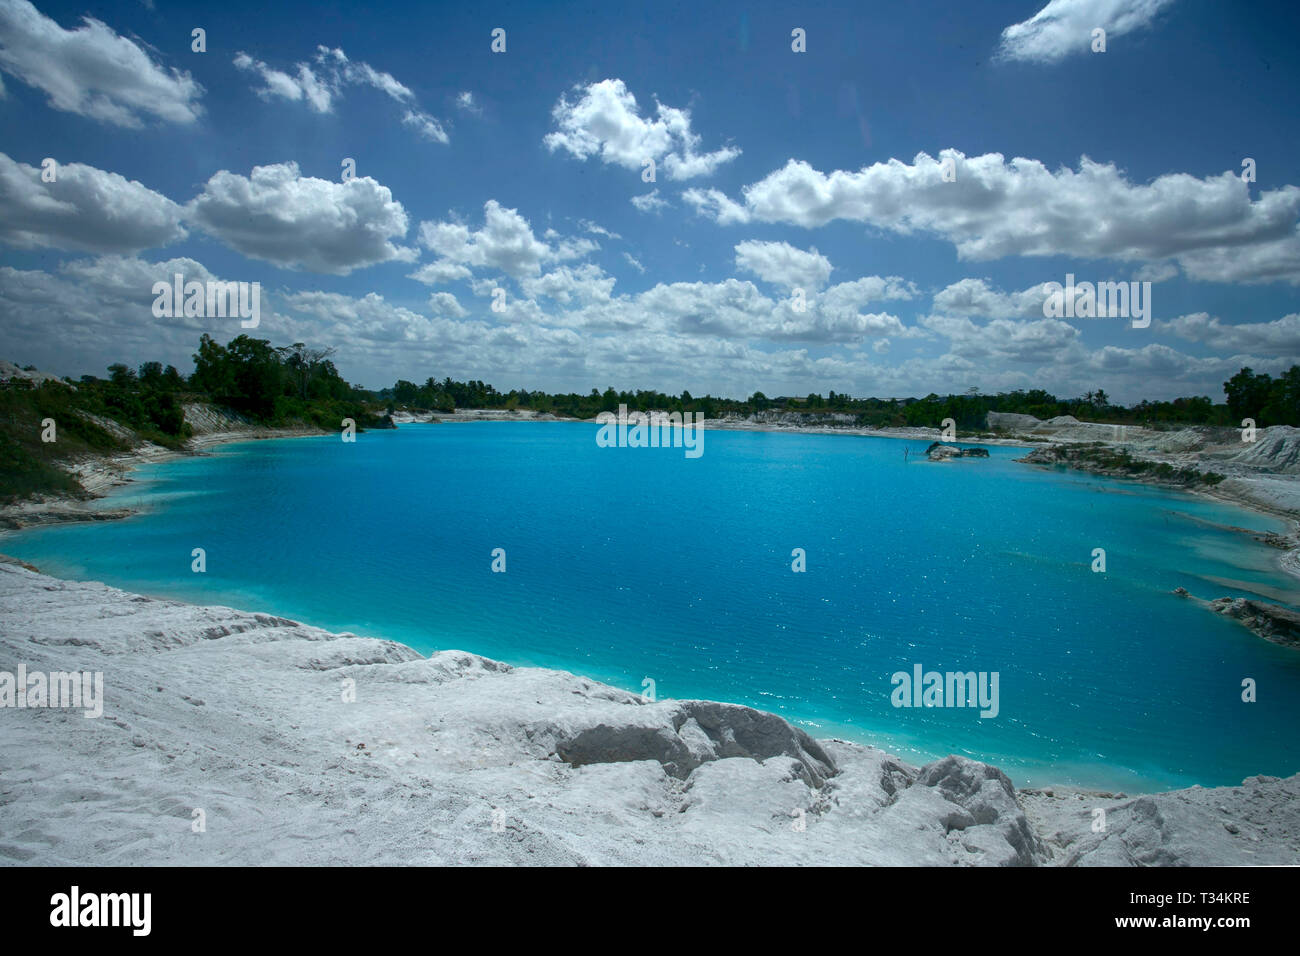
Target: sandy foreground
226	737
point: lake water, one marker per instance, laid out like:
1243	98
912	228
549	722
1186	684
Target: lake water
628	563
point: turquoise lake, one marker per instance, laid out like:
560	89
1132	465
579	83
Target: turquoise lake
629	563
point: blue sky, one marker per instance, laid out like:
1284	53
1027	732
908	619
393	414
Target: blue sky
774	171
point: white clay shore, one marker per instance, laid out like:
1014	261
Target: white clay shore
458	759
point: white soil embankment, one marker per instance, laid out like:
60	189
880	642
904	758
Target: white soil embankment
292	745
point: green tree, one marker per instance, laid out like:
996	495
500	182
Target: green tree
406	393
121	375
212	369
1248	394
151	375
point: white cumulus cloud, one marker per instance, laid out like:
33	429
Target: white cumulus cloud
782	264
605	121
297	221
446	304
1281	336
1064	27
975	297
92	71
505	243
996	208
650	202
84	208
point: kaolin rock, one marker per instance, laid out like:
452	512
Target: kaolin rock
1270	621
938	451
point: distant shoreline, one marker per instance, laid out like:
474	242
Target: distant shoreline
100	474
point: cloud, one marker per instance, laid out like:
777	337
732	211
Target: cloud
839	311
506	243
604	121
586	225
996	208
634	262
1162	361
729	308
442	271
1156	272
91	71
782	264
466	101
1064	27
321	83
584	283
725	338
444	303
84	208
735	310
305	86
358	73
90	312
1268	260
859	292
426	126
716	205
355	313
295	221
1044	341
582	298
975	297
1280	337
391	341
650	202
523	347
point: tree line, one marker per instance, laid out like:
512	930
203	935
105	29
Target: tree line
276	385
297	383
1249	394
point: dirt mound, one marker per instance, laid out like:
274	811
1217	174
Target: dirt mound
10	372
1275	449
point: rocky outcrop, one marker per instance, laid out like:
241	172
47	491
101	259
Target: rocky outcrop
682	735
41	513
986	797
938	451
403	417
1218	461
1273	622
205	419
212	424
1255	824
1118	462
